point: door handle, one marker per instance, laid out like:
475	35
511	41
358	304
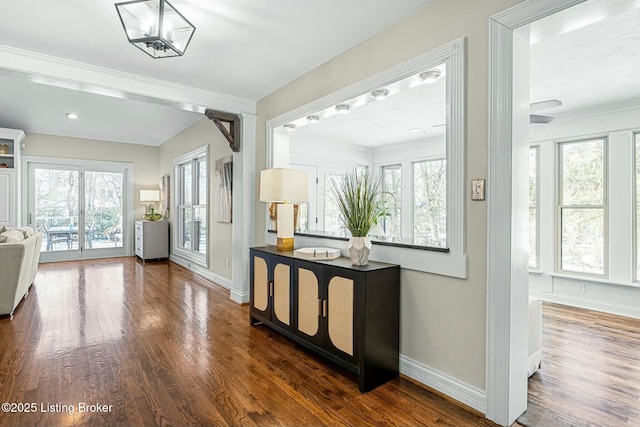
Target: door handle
324	308
271	288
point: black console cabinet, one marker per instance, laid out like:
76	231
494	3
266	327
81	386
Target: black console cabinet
348	314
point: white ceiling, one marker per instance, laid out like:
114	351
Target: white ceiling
242	48
588	57
585	56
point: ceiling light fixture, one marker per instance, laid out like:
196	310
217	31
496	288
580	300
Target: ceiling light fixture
380	94
313	119
430	76
343	108
289	126
155	27
71	116
416	130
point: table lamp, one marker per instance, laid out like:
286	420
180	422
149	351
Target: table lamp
286	187
149	196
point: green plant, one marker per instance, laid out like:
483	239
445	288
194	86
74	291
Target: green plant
360	201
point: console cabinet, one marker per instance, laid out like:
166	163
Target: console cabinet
348	314
271	289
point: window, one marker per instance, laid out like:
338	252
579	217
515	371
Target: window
582	208
192	195
533	208
332	221
637	153
392	188
430	203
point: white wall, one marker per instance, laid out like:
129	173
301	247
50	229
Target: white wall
443	319
219	246
617	292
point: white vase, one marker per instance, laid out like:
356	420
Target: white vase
359	248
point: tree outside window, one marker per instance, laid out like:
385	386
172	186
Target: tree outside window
430	203
582	206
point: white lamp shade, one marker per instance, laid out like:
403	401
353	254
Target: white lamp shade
284	185
149	195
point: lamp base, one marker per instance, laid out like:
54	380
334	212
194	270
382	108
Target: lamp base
284	244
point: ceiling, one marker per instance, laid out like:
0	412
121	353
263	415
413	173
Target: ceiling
241	48
585	56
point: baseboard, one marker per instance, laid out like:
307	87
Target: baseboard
620	310
239	297
203	272
464	393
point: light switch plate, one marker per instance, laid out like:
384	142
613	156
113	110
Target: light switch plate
477	189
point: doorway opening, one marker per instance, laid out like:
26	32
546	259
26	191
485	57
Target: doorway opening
83	209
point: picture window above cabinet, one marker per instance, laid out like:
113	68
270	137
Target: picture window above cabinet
411	114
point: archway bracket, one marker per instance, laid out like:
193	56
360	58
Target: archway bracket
234	122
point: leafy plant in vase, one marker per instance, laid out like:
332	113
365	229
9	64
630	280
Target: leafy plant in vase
152	215
361	205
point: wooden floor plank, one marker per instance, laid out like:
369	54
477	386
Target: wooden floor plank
590	372
164	347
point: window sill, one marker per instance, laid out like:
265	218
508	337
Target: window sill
412	258
594	279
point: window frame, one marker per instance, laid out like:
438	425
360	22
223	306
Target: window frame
453	261
383	169
636	203
192	158
536	148
560	207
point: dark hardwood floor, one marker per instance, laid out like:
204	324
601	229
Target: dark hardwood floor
152	345
590	372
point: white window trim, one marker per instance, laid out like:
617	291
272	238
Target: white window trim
559	207
395	165
83	165
189	255
453	263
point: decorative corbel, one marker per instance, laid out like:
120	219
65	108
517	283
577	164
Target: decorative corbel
233	134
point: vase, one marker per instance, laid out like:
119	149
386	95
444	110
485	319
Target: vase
359	248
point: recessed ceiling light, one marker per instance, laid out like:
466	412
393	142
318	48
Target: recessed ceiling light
343	108
416	130
380	94
289	126
430	76
71	116
313	119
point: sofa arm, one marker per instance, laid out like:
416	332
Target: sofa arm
14	270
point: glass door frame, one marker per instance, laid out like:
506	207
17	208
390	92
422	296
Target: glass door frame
83	166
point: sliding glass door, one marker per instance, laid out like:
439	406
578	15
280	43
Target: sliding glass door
83	210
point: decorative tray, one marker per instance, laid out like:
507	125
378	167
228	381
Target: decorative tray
317	253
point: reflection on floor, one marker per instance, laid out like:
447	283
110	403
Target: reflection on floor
590	370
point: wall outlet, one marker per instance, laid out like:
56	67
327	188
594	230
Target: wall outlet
581	288
227	262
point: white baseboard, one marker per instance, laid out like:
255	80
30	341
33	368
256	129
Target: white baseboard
606	307
239	297
201	271
464	393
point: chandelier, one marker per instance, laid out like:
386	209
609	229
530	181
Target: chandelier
155	27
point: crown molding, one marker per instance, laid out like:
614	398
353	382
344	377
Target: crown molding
59	72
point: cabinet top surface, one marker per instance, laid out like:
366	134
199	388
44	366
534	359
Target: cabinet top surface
341	262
